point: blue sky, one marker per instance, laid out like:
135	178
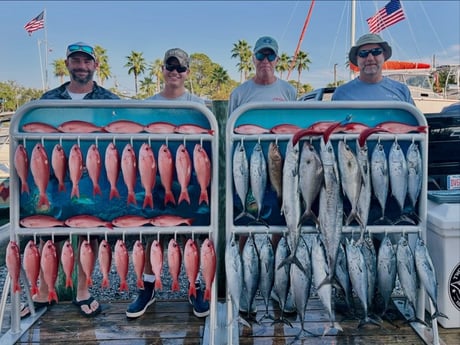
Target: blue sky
212	27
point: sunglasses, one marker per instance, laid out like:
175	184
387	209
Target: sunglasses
270	56
365	53
78	48
178	68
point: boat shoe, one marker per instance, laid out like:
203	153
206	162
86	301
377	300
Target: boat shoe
200	306
145	298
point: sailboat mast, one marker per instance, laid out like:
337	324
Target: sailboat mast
352	29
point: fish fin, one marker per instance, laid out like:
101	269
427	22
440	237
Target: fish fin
61	187
140	283
169	197
68	282
25	188
192	290
105	283
34	290
148	201
43	200
124	285
438	314
109	225
175	285
52	296
158	284
75	192
114	193
203	197
368	321
184	196
97	190
89	281
131	198
16	287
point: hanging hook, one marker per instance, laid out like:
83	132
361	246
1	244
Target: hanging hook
60	140
201	141
43	141
96	142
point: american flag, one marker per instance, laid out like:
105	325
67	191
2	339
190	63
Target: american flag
387	16
35	24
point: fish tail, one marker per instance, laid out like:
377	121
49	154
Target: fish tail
131	198
105	282
124	285
169	197
148	201
175	285
61	187
184	196
158	284
34	290
114	193
43	200
97	190
422	129
140	283
68	282
52	296
25	188
207	294
192	290
109	225
438	314
16	287
75	191
203	197
89	281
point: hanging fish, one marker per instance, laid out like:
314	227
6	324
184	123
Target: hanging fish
380	176
414	168
267	272
398	174
258	176
275	163
75	169
184	172
241	176
93	165
406	271
386	271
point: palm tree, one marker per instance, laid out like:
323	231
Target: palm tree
103	71
60	69
242	50
136	65
283	64
302	63
219	77
156	71
147	87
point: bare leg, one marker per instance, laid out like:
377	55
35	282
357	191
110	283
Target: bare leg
82	285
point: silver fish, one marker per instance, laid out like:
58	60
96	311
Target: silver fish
386	271
398	174
251	271
358	276
301	281
320	274
267	272
370	258
380	176
275	169
234	275
414	167
258	176
350	176
281	283
310	179
364	200
241	176
330	208
343	277
427	274
291	198
405	264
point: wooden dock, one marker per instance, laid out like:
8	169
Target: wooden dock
172	322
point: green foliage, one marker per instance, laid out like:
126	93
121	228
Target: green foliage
14	95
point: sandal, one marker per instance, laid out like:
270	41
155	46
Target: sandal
24	311
87	302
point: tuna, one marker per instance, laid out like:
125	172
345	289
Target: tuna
311	177
414	168
365	194
251	271
380	176
407	274
398	174
267	272
258	176
275	163
281	283
386	271
241	176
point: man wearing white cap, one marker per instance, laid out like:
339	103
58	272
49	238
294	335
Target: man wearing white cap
369	54
264	86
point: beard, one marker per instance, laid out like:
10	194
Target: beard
82	80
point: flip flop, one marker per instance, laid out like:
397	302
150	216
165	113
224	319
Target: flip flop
87	302
24	311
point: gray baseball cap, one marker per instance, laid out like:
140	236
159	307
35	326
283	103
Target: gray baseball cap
81	47
266	42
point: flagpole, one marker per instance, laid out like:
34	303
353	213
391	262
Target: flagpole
46	50
41	64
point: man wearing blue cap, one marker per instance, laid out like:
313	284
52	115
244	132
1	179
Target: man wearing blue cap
81	63
264	86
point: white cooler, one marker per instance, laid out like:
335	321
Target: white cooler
443	243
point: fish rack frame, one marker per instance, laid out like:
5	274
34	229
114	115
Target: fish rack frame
304	114
103	112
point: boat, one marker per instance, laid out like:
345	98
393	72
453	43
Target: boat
4	167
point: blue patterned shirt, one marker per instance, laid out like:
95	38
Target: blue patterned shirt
61	93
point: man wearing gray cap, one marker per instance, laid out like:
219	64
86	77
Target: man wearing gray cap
264	86
369	54
81	63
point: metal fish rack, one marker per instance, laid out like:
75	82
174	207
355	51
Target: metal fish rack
267	116
101	113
